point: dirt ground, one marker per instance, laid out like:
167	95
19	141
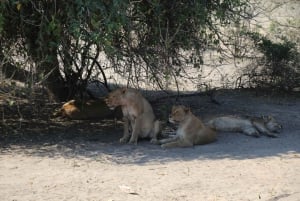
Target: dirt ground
52	159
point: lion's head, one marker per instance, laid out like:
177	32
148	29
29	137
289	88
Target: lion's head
271	124
178	114
114	98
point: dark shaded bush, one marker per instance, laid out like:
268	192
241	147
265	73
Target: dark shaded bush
279	67
63	39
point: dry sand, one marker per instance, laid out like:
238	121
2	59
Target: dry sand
236	167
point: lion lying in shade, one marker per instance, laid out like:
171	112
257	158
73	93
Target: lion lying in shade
80	110
191	130
252	126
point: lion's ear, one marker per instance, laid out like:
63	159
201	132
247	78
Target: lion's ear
187	109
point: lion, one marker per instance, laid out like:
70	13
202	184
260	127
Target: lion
252	126
138	115
191	130
81	110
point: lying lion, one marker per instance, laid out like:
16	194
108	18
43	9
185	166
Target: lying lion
138	116
91	109
191	130
253	126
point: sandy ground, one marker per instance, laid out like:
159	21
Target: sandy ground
236	167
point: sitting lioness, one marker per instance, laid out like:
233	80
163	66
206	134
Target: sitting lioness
138	116
253	126
191	130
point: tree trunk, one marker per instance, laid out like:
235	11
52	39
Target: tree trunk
53	81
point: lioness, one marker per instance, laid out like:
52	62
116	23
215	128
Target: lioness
138	116
253	126
191	130
90	109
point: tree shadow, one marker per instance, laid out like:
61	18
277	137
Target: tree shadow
103	146
98	140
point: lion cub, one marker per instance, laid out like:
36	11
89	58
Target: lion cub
191	130
138	116
253	126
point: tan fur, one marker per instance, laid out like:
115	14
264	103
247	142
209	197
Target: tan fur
253	126
191	130
139	119
91	109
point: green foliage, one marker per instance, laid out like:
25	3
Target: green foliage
280	62
274	52
147	35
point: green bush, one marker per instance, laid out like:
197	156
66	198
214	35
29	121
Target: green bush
279	66
135	36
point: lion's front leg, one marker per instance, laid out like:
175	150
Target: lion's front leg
126	133
167	140
251	131
136	129
262	129
155	132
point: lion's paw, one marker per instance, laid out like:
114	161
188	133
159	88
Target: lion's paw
123	140
131	141
154	141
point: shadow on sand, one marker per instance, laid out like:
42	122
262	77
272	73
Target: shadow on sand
103	146
98	140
